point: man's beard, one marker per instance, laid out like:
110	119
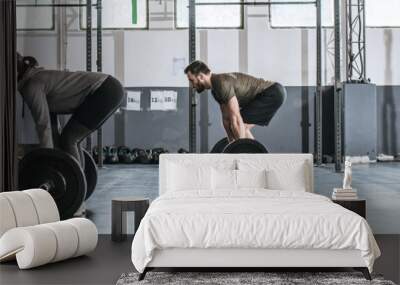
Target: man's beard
200	89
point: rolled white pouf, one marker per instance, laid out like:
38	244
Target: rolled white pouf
67	240
32	246
23	208
45	205
87	234
37	245
7	218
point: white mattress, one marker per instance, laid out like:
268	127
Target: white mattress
252	219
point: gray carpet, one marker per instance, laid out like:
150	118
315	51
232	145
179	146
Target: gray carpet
243	278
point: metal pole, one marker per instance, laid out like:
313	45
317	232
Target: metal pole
348	44
192	93
99	69
338	105
319	86
364	77
62	37
89	54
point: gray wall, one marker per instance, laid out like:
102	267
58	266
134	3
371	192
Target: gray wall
388	104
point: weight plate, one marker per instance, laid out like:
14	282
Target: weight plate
59	172
90	174
220	146
245	146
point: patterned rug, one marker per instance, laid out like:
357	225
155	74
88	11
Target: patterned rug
244	278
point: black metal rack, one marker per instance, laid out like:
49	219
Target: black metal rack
192	57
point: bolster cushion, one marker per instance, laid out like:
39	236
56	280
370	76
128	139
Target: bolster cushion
37	245
26	208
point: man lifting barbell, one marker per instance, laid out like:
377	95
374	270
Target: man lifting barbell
90	97
245	101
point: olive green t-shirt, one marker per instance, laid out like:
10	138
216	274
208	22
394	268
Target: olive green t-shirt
243	86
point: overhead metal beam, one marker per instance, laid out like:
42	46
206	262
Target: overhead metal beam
256	3
53	5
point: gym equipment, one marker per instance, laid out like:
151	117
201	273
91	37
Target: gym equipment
239	146
156	154
142	156
95	154
182	150
220	145
245	146
125	155
90	174
110	155
58	173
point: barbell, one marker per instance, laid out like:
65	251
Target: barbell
58	173
238	146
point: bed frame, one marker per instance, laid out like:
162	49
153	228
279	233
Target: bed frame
242	259
246	259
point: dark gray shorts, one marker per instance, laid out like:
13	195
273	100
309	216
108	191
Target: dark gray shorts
262	109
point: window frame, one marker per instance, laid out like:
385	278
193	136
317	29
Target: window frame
377	27
240	27
94	27
53	20
294	27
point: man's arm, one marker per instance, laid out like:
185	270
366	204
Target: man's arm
227	125
36	100
232	120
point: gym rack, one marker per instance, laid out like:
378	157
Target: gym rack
192	57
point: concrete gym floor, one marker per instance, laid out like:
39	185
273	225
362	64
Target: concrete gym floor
378	183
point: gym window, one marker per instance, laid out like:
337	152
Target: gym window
380	13
35	18
213	17
300	16
119	14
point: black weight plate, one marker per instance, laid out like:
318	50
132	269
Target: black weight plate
42	165
90	174
245	146
220	146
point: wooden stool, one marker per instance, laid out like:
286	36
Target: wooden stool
118	214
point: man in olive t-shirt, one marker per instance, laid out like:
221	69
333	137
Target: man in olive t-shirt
244	100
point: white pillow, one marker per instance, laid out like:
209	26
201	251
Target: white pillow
251	178
223	179
183	177
285	174
291	179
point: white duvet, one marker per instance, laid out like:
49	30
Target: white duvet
250	219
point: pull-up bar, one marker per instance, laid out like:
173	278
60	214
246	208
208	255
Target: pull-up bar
256	3
54	5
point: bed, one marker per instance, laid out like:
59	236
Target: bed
246	211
